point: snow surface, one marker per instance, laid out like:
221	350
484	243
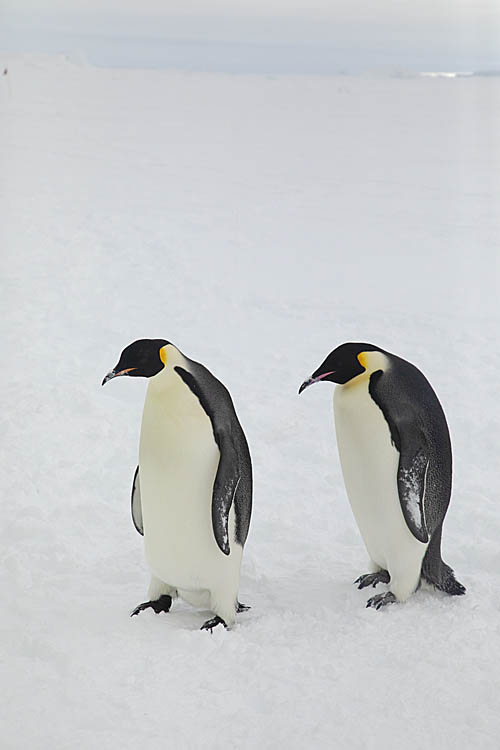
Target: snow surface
256	222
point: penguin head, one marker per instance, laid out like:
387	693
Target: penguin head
142	359
342	365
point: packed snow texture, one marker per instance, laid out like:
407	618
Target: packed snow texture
257	223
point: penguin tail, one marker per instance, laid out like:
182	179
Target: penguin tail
445	581
438	573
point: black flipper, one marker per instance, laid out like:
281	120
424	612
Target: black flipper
135	501
412	476
226	484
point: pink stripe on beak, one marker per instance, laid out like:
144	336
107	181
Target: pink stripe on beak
309	382
320	377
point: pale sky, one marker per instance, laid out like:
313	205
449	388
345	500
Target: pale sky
458	34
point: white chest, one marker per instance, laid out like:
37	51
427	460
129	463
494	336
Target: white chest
178	460
369	466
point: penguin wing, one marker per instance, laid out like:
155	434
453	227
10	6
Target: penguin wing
412	480
135	501
226	485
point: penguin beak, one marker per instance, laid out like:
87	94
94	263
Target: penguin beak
113	374
312	380
306	383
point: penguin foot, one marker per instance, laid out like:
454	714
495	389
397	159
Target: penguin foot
380	600
212	623
242	607
162	604
372	579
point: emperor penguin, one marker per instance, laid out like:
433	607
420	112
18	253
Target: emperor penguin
395	452
192	489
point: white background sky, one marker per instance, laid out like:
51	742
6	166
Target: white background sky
456	34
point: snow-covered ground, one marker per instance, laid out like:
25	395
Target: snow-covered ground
257	222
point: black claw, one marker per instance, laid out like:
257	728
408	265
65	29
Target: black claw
162	604
380	600
211	624
372	579
242	607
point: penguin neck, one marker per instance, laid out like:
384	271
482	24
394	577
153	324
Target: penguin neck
167	383
372	362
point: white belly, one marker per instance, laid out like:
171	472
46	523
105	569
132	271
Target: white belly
178	460
369	467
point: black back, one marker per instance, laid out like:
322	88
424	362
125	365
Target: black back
420	434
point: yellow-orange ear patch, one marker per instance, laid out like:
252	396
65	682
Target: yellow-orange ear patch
363	359
163	355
